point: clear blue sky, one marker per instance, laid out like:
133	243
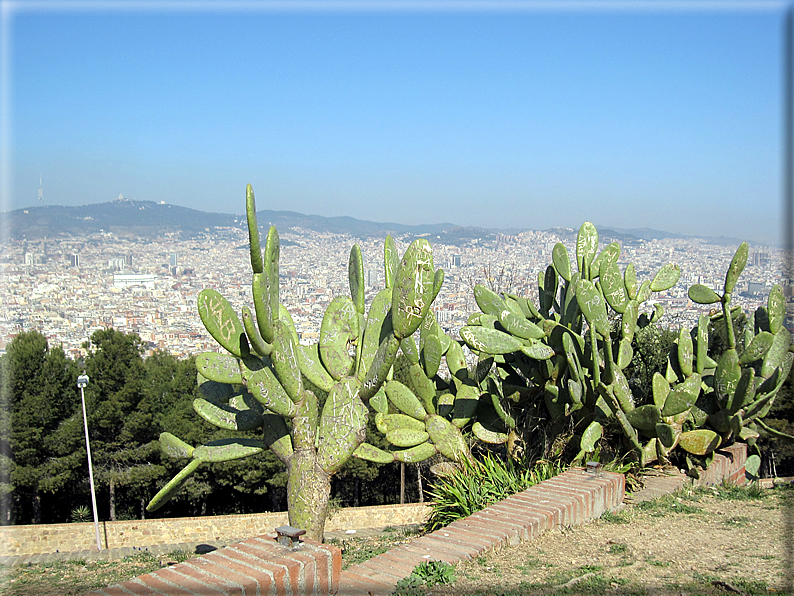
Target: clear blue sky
530	118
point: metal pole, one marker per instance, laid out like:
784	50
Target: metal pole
82	381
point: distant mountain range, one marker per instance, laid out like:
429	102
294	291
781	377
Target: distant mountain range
147	219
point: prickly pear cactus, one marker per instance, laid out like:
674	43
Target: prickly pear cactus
569	354
563	358
740	388
311	403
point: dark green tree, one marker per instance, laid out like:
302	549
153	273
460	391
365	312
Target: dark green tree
40	392
120	430
651	345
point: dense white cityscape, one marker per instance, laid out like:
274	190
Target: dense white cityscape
67	288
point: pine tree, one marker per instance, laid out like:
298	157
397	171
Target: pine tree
40	391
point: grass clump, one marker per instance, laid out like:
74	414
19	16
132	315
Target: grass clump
430	573
479	483
666	505
620	517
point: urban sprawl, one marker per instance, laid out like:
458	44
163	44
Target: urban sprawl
68	288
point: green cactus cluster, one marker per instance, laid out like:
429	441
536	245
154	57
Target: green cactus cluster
740	388
568	355
311	404
561	361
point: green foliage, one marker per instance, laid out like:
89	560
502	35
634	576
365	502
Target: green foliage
651	346
427	574
475	484
600	365
667	504
39	393
80	514
310	405
121	416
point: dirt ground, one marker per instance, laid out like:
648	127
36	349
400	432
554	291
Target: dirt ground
704	541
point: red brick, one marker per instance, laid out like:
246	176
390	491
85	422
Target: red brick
552	497
464	536
590	490
613	483
515	533
258	577
354	584
236	577
544	517
543	505
482	528
373	578
517	513
403	555
272	557
188	580
519	505
135	586
466	551
233	583
512	506
600	492
453	537
329	564
588	493
435	553
485	528
579	509
539	490
307	571
386	567
401	562
158	585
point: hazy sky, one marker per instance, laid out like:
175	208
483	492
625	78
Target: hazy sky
529	116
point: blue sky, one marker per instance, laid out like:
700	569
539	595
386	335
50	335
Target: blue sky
525	118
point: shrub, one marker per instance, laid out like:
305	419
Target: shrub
476	484
81	514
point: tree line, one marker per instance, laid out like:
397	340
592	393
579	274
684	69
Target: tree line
130	399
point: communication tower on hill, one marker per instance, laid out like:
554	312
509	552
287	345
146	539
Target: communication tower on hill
41	191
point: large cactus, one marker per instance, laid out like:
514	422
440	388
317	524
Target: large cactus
311	403
740	388
546	352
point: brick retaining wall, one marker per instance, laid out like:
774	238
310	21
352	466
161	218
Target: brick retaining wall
49	538
255	566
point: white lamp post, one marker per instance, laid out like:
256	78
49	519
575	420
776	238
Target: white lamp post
82	381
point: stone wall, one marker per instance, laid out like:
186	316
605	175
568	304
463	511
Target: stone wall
50	538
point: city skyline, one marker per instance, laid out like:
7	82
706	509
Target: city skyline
521	116
68	287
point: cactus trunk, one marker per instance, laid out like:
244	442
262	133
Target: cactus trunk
308	491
